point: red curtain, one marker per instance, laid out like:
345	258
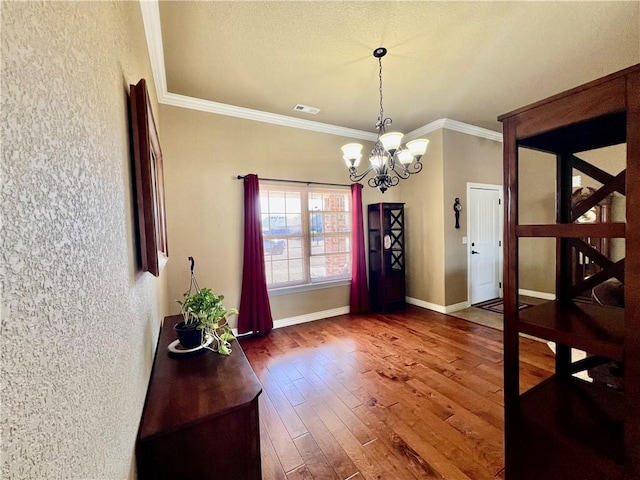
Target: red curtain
255	311
359	299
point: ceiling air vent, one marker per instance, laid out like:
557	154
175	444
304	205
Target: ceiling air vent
306	109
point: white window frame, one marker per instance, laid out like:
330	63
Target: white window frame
306	283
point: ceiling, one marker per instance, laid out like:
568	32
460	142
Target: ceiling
466	61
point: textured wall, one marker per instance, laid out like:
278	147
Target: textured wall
78	322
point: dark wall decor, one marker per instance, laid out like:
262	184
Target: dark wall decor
152	224
457	206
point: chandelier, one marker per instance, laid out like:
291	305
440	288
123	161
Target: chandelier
389	160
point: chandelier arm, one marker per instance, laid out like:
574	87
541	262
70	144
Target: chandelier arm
354	176
373	182
404	172
391	181
414	167
401	171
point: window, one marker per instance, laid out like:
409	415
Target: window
306	233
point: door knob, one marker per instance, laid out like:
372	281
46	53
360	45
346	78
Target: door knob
473	252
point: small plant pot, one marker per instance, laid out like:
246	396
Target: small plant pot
189	336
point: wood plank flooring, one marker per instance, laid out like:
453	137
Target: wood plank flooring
411	395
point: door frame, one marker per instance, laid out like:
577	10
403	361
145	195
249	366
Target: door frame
500	190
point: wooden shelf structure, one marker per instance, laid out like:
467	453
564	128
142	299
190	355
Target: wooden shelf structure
567	428
593	328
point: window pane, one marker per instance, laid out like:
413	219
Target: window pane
264	202
316	223
337	222
336	202
267	271
296	270
317	245
330	244
287	271
273	246
335	244
280	269
299	249
294	224
294	203
294	247
325	267
276	202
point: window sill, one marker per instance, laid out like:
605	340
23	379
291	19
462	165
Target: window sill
307	288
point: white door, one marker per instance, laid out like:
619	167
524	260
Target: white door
484	220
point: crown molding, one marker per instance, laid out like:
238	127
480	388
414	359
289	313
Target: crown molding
259	116
153	33
457	127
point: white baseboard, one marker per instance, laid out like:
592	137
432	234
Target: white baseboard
309	317
533	293
437	308
457	306
429	306
334	312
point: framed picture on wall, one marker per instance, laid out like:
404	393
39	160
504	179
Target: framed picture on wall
149	182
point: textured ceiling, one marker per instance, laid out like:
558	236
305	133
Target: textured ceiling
468	61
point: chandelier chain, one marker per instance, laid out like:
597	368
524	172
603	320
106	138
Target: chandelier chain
381	118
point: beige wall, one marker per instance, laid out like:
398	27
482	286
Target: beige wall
536	192
424	220
467	159
79	323
204	153
436	256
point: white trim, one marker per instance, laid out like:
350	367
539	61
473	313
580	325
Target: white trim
500	190
309	317
259	116
429	306
437	308
472	130
456	307
276	292
426	129
457	127
153	33
535	294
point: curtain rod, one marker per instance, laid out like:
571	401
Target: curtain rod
298	181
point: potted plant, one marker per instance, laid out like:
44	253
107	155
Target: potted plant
205	315
205	322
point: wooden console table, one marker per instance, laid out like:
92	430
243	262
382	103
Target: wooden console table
200	419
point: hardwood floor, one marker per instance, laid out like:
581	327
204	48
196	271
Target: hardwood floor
410	395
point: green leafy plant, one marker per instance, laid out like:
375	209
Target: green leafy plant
204	310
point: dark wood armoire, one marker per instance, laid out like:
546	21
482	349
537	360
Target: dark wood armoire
386	256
